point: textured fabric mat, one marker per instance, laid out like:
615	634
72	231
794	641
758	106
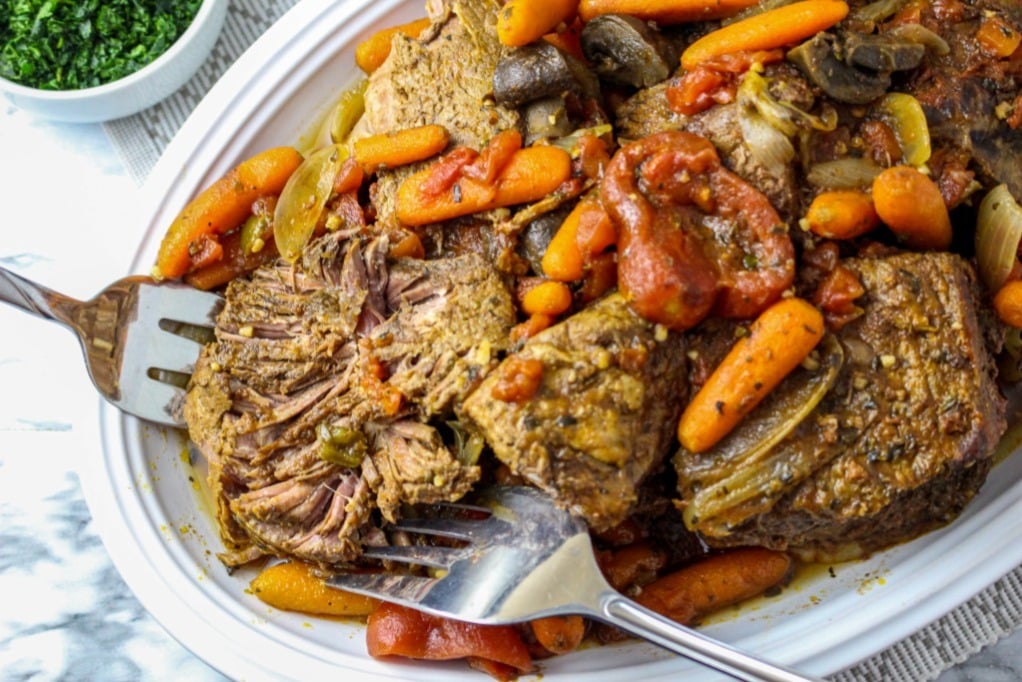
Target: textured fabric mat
983	620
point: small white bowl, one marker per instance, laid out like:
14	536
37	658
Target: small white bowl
136	91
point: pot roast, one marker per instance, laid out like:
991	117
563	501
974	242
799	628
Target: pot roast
349	384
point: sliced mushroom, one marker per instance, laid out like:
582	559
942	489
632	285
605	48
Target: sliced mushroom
883	52
538	71
627	51
818	59
546	119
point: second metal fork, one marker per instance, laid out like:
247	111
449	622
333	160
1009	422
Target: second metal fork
529	559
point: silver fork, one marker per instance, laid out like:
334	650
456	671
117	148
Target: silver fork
140	338
528	559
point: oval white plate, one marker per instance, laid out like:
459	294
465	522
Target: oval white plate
149	507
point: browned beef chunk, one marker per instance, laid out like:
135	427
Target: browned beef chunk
603	416
972	99
310	405
906	433
443	77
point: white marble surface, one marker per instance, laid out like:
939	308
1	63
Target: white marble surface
65	613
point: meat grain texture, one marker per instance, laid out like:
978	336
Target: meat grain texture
313	405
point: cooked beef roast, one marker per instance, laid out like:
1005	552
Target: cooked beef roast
312	406
601	418
908	428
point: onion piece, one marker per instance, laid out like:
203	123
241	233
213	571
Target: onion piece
768	146
998	232
904	114
847	173
342	117
754	92
919	34
303	199
745	473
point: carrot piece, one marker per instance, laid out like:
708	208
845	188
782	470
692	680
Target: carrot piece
547	298
563	260
632	565
777	342
693	592
234	263
223	206
559	634
293	586
664	11
1008	304
842	214
568	39
409	246
529	175
912	206
374	50
399	148
520	22
530	327
771	29
997	38
395	630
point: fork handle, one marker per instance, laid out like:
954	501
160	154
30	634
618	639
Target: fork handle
35	298
640	621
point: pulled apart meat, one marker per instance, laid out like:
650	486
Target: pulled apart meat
601	417
311	406
906	433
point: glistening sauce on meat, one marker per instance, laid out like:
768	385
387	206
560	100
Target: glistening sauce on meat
622	202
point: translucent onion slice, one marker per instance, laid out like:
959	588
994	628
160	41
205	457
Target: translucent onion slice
904	114
745	473
338	123
301	204
998	232
849	173
768	146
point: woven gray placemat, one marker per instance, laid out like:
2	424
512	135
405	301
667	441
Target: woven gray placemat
989	616
140	139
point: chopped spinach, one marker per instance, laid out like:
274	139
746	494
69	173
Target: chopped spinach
75	44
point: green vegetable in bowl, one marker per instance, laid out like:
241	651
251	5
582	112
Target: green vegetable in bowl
64	45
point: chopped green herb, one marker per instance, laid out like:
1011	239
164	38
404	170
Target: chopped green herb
70	45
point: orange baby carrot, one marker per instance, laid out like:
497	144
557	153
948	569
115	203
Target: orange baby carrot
374	50
223	206
529	175
1008	304
292	586
562	260
519	22
559	634
547	298
664	11
842	214
912	206
768	30
693	592
778	341
399	148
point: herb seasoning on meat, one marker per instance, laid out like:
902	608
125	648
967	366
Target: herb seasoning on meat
54	45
